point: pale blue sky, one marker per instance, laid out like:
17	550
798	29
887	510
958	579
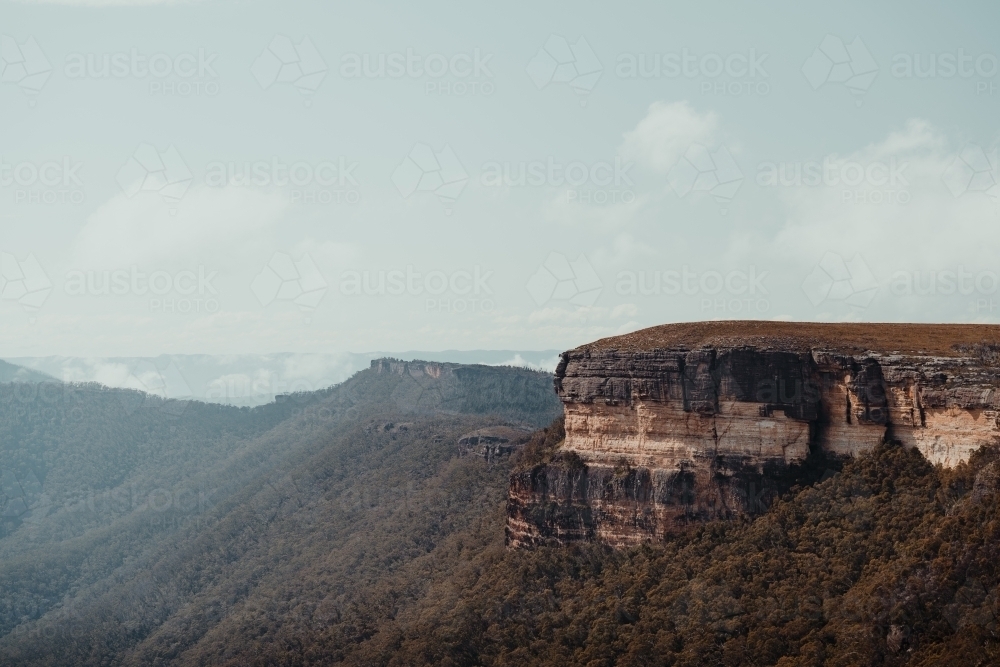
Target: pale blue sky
924	150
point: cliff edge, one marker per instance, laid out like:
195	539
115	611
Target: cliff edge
691	422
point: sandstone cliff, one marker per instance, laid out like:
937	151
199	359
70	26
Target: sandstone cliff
692	422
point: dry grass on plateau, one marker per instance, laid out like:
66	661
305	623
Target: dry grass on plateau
853	337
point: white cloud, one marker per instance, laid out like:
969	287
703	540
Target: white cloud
547	365
319	370
669	129
572	212
108	373
915	226
920	225
917	135
624	310
218	221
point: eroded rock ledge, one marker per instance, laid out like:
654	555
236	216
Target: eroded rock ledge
693	422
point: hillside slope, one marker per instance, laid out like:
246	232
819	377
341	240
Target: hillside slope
13	373
149	522
889	562
350	527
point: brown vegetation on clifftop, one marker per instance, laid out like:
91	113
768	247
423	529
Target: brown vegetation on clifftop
846	337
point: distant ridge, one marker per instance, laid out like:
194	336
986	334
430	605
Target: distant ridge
252	379
12	373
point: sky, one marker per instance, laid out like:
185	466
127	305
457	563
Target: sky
322	177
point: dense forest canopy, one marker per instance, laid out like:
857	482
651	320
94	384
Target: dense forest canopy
347	526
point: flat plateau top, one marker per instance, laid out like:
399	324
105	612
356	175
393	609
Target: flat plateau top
854	337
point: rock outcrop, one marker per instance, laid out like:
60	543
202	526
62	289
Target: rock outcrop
492	443
701	421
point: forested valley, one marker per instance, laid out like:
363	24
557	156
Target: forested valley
348	526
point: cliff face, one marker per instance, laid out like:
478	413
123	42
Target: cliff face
678	425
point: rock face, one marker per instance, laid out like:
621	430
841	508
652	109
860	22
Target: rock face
701	421
492	443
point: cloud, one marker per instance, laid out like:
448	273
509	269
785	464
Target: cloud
563	210
624	310
917	135
667	131
321	370
218	221
547	365
110	374
912	224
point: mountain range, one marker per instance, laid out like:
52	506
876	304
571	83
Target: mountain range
370	523
244	379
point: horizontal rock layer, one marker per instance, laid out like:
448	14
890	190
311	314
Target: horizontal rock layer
664	436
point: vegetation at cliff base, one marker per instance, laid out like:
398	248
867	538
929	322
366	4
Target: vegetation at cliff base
348	527
890	562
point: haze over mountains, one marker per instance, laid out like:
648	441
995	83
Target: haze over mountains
364	524
513	334
137	530
15	373
242	379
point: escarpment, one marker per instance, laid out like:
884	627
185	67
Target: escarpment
693	422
